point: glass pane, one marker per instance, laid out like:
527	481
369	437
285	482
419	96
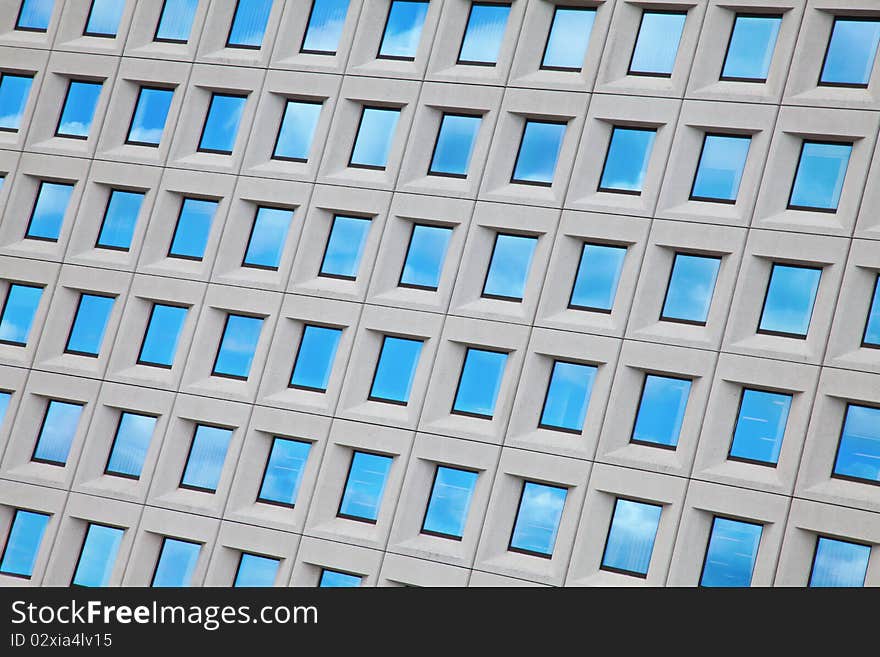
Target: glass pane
396	369
176	563
720	169
538	151
630	541
691	285
858	455
120	219
98	555
568	395
537	520
284	471
760	426
4	404
175	23
730	557
19	309
249	23
403	29
23	543
57	432
598	274
455	143
314	360
751	47
297	130
14	92
254	570
480	382
509	267
872	326
326	21
79	109
35	15
661	410
375	134
207	454
345	246
820	175
568	38
90	323
788	306
424	259
839	563
130	445
193	228
333	578
49	211
148	122
268	237
627	160
483	34
449	503
162	336
364	486
851	52
237	346
104	17
657	43
221	124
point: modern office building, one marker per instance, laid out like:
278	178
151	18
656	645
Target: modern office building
398	292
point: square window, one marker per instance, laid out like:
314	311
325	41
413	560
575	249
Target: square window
14	92
207	454
657	43
314	358
57	431
858	452
97	556
720	169
18	313
760	427
595	284
177	562
268	236
450	500
50	207
568	395
34	15
483	34
130	444
851	52
221	124
284	471
818	180
162	335
297	129
788	304
89	325
237	346
393	378
326	20
479	383
690	289
249	24
367	476
104	17
120	219
176	20
661	411
630	541
839	563
538	151
345	246
425	256
256	570
193	229
537	519
568	38
403	30
626	161
509	267
751	46
23	543
871	337
731	553
79	109
150	113
454	145
336	579
374	136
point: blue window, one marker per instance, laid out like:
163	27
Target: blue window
193	228
34	15
851	52
568	395
284	471
858	452
221	123
509	267
49	210
760	426
871	337
177	562
176	20
393	378
661	410
162	335
314	359
595	284
268	235
4	404
345	246
130	444
751	46
79	109
255	570
538	151
294	141
484	33
454	145
120	219
336	579
630	540
249	23
150	113
537	519
207	454
23	543
479	383
690	289
839	563
568	38
657	43
97	556
14	92
104	17
18	313
326	20
818	181
56	434
450	500
788	304
374	137
89	324
367	476
720	169
626	162
237	346
425	256
731	553
403	29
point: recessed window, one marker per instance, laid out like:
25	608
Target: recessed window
479	383
14	92
626	161
537	519
374	136
237	346
851	52
818	181
4	404
839	563
49	210
120	219
345	246
193	229
858	452
97	556
450	500
509	267
657	43
661	411
284	471
568	38
336	579
630	541
568	395
150	114
162	335
130	444
396	369
403	30
326	20
79	109
221	123
788	304
364	486
249	23
34	15
294	141
177	562
314	359
690	289
207	454
89	324
538	151
425	256
731	553
268	236
176	20
484	33
598	274
454	145
750	49
720	169
104	17
57	432
871	337
256	570
17	316
23	543
760	426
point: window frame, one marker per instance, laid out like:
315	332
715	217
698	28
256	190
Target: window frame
645	443
148	87
875	294
147	363
535	553
444	174
217	151
566	69
235	377
9	535
287	158
101	35
183	199
584	244
623	571
357	134
345	516
385	337
344	277
165	538
89	524
552	427
742	459
430	532
3	307
241	555
736	17
76	352
18	27
121	249
399	58
30	222
158	39
412	232
247	244
338	572
263	500
192	442
479	3
305	325
309	51
786	334
690	322
710	199
842	477
536	183
468	349
70	82
722	516
240	46
32	77
502	297
61	464
797	169
837	539
113	473
614	128
846	85
649	10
